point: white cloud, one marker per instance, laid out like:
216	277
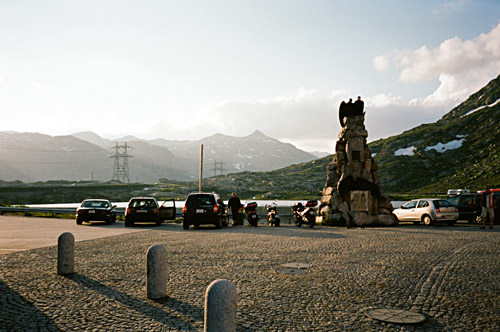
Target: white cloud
380	63
452	6
462	67
307	118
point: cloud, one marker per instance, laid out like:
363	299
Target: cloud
303	118
452	6
380	63
461	66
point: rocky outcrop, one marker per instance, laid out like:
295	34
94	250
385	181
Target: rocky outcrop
353	195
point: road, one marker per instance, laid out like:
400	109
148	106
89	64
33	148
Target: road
22	233
448	274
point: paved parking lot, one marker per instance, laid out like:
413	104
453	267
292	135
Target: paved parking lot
449	274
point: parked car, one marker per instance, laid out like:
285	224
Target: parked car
428	211
142	209
468	206
204	208
96	210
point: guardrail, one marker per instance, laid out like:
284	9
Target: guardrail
119	212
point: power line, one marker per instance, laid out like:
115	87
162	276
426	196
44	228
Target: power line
218	167
120	167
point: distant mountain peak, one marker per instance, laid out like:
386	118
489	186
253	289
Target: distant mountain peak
257	134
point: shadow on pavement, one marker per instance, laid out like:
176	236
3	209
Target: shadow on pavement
264	229
156	313
18	314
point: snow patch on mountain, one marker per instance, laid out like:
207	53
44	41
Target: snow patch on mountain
409	151
480	108
452	145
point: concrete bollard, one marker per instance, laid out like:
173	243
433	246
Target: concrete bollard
65	254
156	272
220	307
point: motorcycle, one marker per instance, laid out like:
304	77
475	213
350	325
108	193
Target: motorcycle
305	215
273	218
252	215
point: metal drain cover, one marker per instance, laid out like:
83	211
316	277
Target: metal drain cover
297	265
395	316
292	271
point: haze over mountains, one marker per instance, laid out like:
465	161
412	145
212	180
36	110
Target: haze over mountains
31	157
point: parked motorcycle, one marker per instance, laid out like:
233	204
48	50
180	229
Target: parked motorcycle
252	215
304	215
273	218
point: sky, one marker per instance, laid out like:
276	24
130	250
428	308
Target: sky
184	70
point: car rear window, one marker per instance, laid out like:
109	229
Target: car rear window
198	200
95	204
143	203
441	203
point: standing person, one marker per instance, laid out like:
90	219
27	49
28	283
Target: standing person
234	204
488	206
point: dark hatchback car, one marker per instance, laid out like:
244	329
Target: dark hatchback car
146	209
96	210
203	209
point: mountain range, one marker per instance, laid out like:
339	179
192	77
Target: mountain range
461	150
31	157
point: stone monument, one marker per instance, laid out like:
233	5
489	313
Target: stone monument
353	195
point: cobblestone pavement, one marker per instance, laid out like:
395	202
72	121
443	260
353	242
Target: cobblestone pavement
449	274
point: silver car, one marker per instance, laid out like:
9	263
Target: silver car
428	211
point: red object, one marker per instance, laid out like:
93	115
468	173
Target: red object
216	208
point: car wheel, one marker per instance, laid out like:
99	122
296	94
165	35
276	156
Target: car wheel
451	223
113	218
128	223
427	220
158	222
185	224
79	221
108	222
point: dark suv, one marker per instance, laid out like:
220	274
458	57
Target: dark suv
468	206
203	208
142	209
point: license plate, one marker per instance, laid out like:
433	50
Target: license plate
91	211
142	211
200	211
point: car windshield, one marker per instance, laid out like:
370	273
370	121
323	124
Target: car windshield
197	200
95	204
143	203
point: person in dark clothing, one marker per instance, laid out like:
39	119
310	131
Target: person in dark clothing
234	204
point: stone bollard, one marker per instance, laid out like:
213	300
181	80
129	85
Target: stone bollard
220	307
156	272
65	254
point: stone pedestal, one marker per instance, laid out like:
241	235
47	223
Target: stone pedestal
353	195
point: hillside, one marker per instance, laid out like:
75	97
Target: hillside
461	150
